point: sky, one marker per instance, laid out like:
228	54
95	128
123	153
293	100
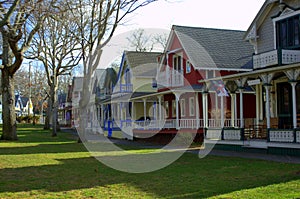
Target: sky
225	14
158	18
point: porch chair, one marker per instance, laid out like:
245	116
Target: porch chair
249	124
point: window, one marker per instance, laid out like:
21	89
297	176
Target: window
127	76
192	106
166	109
288	32
173	108
188	67
210	74
182	107
177	63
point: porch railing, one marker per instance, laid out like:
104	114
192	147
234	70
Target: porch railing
281	136
170	78
276	57
217	123
290	56
123	88
172	123
190	123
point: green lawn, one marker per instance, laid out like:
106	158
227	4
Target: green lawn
39	166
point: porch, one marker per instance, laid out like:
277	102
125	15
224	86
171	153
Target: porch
178	124
255	146
236	135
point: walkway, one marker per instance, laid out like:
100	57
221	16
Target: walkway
260	156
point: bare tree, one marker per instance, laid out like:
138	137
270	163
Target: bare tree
140	41
161	40
38	85
96	25
17	31
59	51
143	42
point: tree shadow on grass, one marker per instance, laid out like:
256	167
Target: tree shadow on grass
43	149
188	177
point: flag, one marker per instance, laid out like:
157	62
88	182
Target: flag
219	87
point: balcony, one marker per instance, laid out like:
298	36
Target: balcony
170	78
123	88
276	57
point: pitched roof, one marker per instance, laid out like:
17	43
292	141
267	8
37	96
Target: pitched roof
143	63
209	48
258	20
110	76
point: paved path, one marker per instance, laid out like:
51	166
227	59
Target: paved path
260	156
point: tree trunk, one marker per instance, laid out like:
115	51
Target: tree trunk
82	125
48	115
8	106
53	96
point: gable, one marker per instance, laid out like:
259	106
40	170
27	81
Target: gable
271	8
214	49
262	32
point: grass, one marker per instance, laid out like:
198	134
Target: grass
40	166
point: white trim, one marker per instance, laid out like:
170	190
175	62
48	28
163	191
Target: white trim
182	107
286	15
275	35
167	109
223	69
192	106
176	55
174	51
174	108
188	63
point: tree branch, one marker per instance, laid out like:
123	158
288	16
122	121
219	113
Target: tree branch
7	16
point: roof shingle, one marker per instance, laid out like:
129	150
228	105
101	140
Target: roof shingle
214	48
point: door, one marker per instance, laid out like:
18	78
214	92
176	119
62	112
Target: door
285	109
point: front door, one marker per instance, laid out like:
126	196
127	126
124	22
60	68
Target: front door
285	109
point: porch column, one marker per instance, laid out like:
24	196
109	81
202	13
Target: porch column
293	76
261	114
267	88
266	79
145	109
294	104
102	115
155	111
257	95
205	109
132	111
121	111
217	106
233	111
241	108
159	108
197	110
222	111
177	110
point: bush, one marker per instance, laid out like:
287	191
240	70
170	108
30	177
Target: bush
28	119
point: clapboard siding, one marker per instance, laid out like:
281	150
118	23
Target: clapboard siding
266	30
